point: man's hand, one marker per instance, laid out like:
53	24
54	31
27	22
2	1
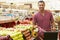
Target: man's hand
54	29
54	26
34	26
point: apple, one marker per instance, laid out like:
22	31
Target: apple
3	33
20	36
15	34
26	22
20	39
15	38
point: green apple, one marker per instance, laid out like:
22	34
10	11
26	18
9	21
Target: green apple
16	38
20	39
20	36
2	33
16	34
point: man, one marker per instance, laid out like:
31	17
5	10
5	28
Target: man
43	20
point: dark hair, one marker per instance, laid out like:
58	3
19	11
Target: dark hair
41	2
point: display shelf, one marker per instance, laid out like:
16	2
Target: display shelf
17	32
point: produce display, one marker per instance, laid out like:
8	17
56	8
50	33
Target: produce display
28	27
14	33
17	36
24	26
19	32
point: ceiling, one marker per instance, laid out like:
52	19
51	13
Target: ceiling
50	4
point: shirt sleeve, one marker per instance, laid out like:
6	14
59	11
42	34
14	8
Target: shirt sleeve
34	19
51	18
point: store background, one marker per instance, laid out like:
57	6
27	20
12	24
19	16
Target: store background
50	4
22	21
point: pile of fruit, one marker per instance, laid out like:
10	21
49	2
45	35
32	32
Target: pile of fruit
17	36
14	33
28	27
19	31
24	26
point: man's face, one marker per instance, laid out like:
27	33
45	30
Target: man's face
41	6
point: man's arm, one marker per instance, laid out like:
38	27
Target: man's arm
34	21
52	22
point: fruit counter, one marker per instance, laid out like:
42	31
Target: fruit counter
6	21
28	30
14	33
20	32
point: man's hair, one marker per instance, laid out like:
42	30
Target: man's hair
41	2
